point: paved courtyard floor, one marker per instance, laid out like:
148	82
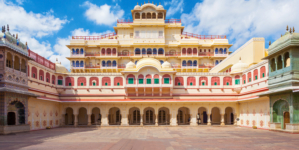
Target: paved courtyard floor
150	138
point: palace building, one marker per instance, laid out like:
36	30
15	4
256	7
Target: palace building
149	72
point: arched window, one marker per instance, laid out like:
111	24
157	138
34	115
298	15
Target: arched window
81	64
143	51
118	81
130	79
194	51
160	16
149	51
237	80
114	63
73	51
143	15
203	81
244	78
216	51
77	64
221	51
137	51
154	16
74	64
249	76
179	81
160	51
287	60
224	51
189	51
114	51
227	81
103	63
77	51
215	81
109	63
17	63
273	65
41	75
263	72
60	80
166	79
148	15
161	61
191	81
94	81
103	51
137	15
189	63
154	51
279	62
217	62
81	51
140	79
148	79
255	74
106	81
53	79
156	79
48	77
108	51
184	51
184	63
194	63
69	81
34	72
136	62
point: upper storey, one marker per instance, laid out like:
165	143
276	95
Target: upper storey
149	13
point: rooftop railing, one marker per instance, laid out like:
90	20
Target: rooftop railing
204	36
104	36
41	60
172	20
124	20
166	20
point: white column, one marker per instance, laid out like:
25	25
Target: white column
141	119
235	119
62	120
193	118
124	120
222	119
209	119
174	118
76	120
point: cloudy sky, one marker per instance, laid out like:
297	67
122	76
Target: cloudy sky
47	25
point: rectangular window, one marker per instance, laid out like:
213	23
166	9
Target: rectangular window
106	84
237	81
137	34
131	80
148	81
70	84
33	75
215	83
140	81
166	80
82	84
179	83
244	81
59	82
118	84
41	77
156	81
249	79
255	77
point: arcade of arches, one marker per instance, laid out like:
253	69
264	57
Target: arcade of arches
149	115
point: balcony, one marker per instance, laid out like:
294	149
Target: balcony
176	65
220	55
172	20
93	38
124	20
125	54
173	54
77	67
206	66
204	36
205	54
92	54
77	55
92	66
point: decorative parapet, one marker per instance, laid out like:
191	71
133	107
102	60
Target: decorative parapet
13	46
41	60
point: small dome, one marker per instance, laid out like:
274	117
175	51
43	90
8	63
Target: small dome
60	68
160	7
239	67
137	7
166	64
130	65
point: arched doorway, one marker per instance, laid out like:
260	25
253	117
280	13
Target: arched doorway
183	116
69	116
82	116
229	116
16	113
149	116
215	116
203	117
280	113
114	116
96	117
163	116
134	116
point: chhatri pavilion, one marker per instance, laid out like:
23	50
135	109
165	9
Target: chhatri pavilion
149	72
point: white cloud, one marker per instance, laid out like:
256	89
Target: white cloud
103	15
30	26
175	6
242	20
20	2
62	51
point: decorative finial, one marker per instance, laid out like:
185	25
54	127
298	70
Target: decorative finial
56	59
144	2
4	28
60	62
293	30
156	4
290	30
7	27
13	35
269	43
148	1
152	2
17	36
287	28
159	3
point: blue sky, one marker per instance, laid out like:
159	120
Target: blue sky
47	25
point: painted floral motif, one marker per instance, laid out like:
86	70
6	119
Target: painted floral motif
247	112
37	113
241	121
37	123
29	122
28	112
44	123
247	122
261	112
56	113
253	122
269	124
56	122
261	123
51	113
44	113
51	122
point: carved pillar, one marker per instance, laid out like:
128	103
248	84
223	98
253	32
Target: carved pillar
141	119
76	120
156	119
209	119
89	119
222	119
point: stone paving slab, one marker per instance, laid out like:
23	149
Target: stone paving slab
150	138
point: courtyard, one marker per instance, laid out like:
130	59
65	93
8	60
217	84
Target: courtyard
150	138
